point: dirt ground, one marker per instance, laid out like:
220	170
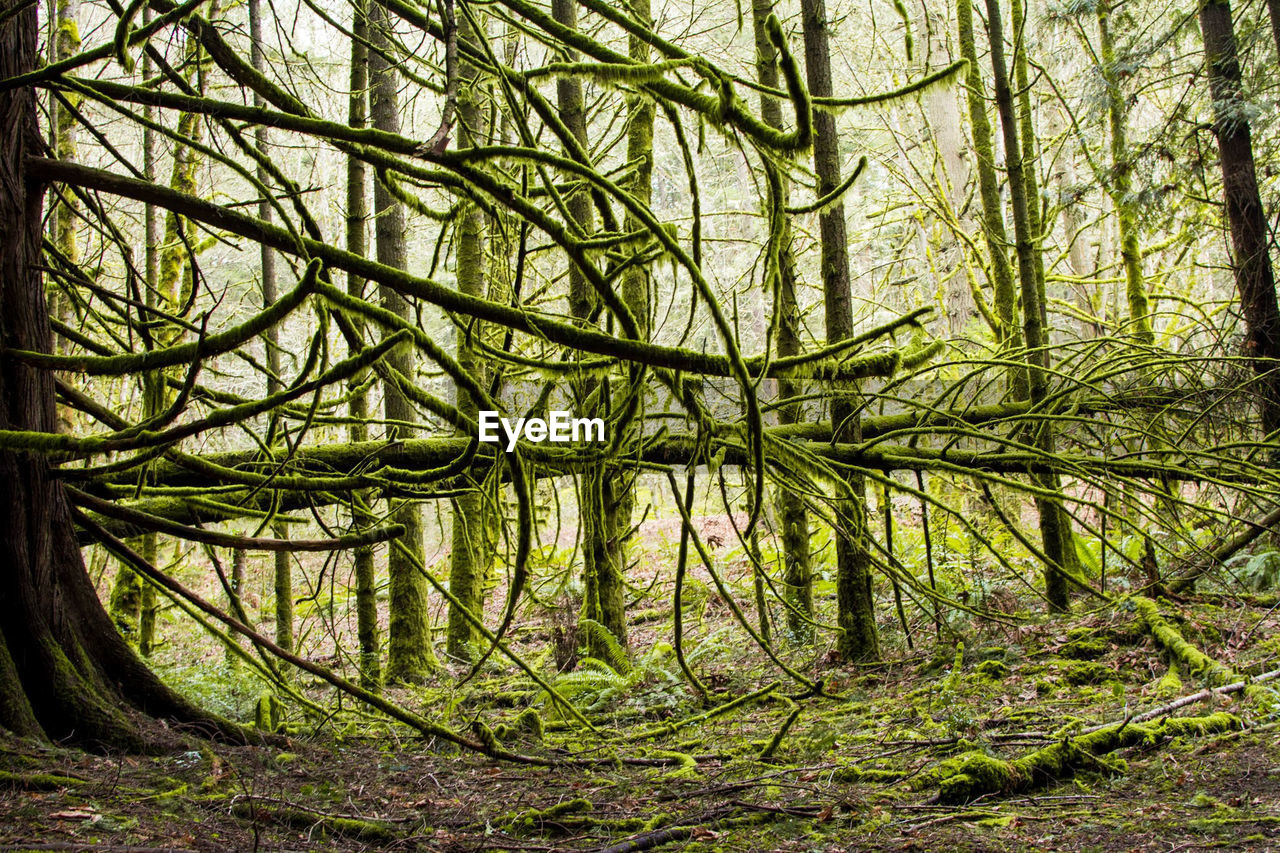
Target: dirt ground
854	773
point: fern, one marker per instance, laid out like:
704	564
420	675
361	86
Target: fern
600	641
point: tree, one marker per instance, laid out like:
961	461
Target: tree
858	639
469	558
1052	534
797	572
1246	220
65	672
410	656
357	209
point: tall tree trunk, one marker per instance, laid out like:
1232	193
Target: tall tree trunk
603	600
1255	278
1035	220
993	230
855	608
793	518
1053	537
410	656
1121	188
357	243
619	481
1273	9
65	672
133	603
66	44
469	558
271	339
952	172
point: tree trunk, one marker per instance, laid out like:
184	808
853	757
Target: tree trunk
1121	188
993	230
65	205
65	672
1255	279
410	656
469	557
793	518
1053	536
271	339
357	243
855	609
603	599
1273	9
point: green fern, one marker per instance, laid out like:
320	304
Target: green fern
601	643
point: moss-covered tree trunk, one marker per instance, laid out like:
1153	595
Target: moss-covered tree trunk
1036	222
858	639
793	518
410	657
619	481
366	573
65	672
1121	185
66	43
283	584
1273	10
470	555
1052	521
603	599
1250	240
1005	298
171	281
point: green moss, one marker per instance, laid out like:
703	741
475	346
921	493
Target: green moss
266	713
537	818
1087	672
974	774
993	669
868	774
37	781
530	721
363	830
1170	641
1170	684
1089	648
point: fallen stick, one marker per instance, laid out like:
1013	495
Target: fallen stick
1192	698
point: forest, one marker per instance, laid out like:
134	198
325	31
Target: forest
485	425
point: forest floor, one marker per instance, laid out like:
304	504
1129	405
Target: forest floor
857	773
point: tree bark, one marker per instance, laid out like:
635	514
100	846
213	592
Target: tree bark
858	639
793	518
603	600
1052	534
65	672
1121	188
283	586
993	231
1255	278
470	555
410	656
366	573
